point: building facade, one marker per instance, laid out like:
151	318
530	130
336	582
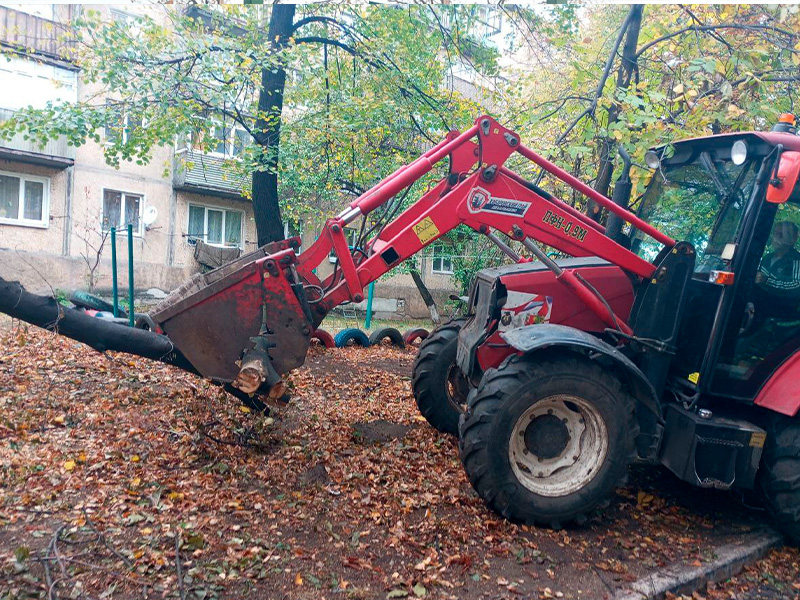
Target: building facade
58	202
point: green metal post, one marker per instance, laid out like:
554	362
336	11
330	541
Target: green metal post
130	275
370	292
114	290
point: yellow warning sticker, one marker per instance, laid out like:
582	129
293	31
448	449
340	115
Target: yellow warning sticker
694	377
426	230
757	439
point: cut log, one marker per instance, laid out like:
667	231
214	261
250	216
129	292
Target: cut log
102	335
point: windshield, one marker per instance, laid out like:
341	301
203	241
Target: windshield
700	202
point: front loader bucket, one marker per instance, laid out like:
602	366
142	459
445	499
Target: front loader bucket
247	307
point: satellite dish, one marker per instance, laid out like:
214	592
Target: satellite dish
150	215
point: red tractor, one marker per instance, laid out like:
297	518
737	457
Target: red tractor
674	339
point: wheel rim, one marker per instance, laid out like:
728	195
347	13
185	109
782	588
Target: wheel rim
455	391
558	445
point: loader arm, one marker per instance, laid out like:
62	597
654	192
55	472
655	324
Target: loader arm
483	194
251	322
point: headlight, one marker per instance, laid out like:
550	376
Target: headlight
739	152
652	159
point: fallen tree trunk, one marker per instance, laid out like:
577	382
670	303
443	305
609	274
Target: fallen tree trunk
102	335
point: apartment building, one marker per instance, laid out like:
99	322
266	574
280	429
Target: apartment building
58	202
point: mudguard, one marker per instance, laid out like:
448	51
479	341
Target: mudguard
533	338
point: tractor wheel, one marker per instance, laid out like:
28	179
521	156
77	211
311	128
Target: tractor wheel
390	333
779	475
440	388
547	441
351	337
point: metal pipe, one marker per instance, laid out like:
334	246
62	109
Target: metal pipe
388	178
130	275
507	250
114	289
587	296
368	318
596	196
415	170
539	253
558	202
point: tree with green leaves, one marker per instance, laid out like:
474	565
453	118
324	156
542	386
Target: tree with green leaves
363	94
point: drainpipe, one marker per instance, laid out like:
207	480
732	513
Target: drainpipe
65	245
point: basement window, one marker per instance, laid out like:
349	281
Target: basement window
24	200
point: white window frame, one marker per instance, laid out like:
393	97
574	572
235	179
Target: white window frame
206	208
123	133
230	139
139	231
42	223
434	258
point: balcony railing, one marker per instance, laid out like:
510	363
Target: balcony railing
36	34
55	153
207	174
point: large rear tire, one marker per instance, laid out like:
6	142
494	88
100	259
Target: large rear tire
779	475
548	441
439	387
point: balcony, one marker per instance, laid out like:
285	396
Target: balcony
207	174
37	35
55	153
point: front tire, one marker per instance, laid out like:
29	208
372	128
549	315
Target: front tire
779	475
440	388
548	441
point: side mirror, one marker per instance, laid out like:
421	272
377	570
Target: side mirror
782	184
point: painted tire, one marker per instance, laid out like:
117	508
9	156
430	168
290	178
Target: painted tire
391	333
351	337
412	335
325	338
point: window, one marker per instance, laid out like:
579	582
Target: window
701	202
225	139
215	226
24	200
121	209
45	11
442	260
35	84
121	124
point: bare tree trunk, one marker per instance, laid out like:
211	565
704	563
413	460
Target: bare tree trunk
624	74
266	209
102	335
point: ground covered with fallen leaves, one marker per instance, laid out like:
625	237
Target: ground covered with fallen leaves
124	478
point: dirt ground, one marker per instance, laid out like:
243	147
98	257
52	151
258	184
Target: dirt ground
124	478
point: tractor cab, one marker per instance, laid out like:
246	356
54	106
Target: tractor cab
735	198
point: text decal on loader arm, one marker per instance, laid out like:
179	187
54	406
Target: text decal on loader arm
561	223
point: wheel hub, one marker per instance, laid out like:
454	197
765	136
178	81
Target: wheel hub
546	436
557	445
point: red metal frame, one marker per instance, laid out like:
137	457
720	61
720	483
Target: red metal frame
484	195
781	392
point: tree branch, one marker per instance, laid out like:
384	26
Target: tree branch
700	28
